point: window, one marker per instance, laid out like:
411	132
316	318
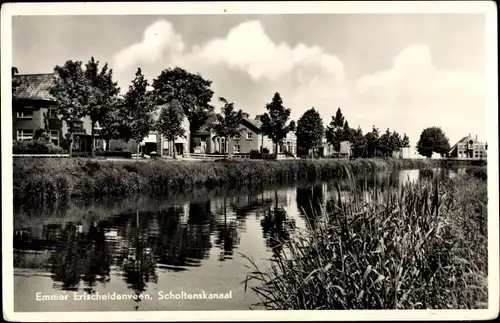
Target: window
25	113
52	113
237	149
237	137
77	127
249	136
54	137
24	134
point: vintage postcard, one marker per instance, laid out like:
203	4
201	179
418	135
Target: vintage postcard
250	161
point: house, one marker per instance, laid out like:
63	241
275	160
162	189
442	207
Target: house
288	144
469	148
33	107
155	142
202	141
250	138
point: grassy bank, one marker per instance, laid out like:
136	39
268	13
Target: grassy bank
402	248
41	181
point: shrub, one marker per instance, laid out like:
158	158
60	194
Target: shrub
36	147
478	172
255	154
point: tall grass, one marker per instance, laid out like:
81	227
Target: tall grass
420	246
40	181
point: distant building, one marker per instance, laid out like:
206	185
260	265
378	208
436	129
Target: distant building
404	152
33	107
469	148
345	149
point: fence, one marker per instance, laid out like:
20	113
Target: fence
218	156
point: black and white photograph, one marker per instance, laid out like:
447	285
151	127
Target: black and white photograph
240	160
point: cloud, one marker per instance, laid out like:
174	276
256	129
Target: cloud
159	38
415	94
247	47
301	73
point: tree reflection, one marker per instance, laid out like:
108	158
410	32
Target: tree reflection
310	203
183	244
80	256
138	263
227	235
274	227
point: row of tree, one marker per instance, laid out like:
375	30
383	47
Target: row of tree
311	132
90	91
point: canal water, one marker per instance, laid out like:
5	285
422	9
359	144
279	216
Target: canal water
170	254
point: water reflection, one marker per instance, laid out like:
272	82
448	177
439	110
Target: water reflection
144	241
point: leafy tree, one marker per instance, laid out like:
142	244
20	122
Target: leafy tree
100	91
433	140
405	142
346	132
274	121
227	122
83	93
113	124
310	130
137	110
169	123
191	90
339	119
358	142
372	141
397	143
385	144
335	133
69	92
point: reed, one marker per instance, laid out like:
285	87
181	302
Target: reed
400	248
41	181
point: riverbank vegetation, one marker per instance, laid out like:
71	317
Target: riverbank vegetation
40	181
400	248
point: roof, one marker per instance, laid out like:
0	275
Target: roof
465	139
252	123
34	87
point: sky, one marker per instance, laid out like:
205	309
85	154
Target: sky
399	71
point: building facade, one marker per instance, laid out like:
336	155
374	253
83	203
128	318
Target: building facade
469	148
249	139
33	108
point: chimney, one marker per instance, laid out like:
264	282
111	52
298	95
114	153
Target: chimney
476	137
257	117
